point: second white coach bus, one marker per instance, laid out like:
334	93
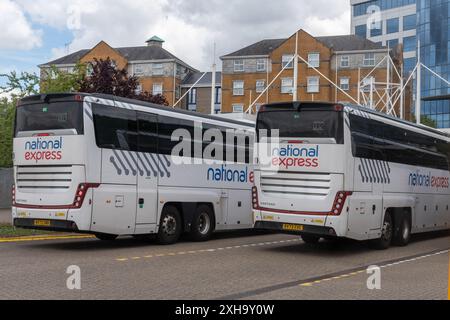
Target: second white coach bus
346	171
104	165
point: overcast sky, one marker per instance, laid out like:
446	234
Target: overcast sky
36	31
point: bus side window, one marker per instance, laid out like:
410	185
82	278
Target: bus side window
115	128
147	133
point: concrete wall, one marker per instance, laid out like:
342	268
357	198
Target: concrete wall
6	182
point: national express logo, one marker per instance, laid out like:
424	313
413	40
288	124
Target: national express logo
40	149
292	156
417	179
224	174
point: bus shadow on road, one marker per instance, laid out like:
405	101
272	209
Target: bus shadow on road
348	247
139	242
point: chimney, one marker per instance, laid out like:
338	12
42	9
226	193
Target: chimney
155	41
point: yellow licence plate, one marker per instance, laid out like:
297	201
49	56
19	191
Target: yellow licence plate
42	223
293	227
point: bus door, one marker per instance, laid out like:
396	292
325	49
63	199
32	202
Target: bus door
148	163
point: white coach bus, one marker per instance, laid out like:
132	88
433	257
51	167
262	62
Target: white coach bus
346	171
103	165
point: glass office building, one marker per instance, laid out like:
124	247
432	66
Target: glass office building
398	25
433	30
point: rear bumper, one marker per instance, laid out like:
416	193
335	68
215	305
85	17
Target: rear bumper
306	229
54	225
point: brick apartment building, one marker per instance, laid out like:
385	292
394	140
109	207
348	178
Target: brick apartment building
159	71
199	97
343	59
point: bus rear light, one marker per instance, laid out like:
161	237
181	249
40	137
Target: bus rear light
255	198
338	108
13	192
339	202
81	194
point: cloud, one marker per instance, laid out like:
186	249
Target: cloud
17	32
190	27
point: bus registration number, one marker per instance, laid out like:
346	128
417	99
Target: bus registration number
42	223
293	227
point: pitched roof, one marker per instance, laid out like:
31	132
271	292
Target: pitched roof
349	43
261	48
337	43
144	53
205	81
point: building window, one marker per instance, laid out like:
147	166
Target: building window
238	108
361	30
345	84
239	65
260	86
238	88
138	70
409	44
177	92
408	65
409	22
138	89
192	96
287	85
286	60
345	61
313	85
369	59
158	69
218	96
375	32
393	25
368	83
314	60
157	88
261	65
392	43
258	106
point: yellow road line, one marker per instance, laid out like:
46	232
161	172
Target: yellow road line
43	238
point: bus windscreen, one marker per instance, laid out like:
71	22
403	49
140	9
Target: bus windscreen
49	116
303	124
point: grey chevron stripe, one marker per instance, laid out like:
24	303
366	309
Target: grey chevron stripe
163	165
113	161
155	173
129	163
143	164
380	169
366	175
141	172
157	165
124	167
370	170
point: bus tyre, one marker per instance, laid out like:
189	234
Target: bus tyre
387	231
310	239
106	237
202	224
170	227
402	234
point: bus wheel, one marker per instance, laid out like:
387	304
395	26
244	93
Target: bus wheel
310	239
387	233
203	224
170	227
402	235
106	237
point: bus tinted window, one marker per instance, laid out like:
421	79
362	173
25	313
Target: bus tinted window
166	127
304	124
115	128
147	132
50	116
376	140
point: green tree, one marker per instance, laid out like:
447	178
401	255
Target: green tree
58	81
19	85
7	108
